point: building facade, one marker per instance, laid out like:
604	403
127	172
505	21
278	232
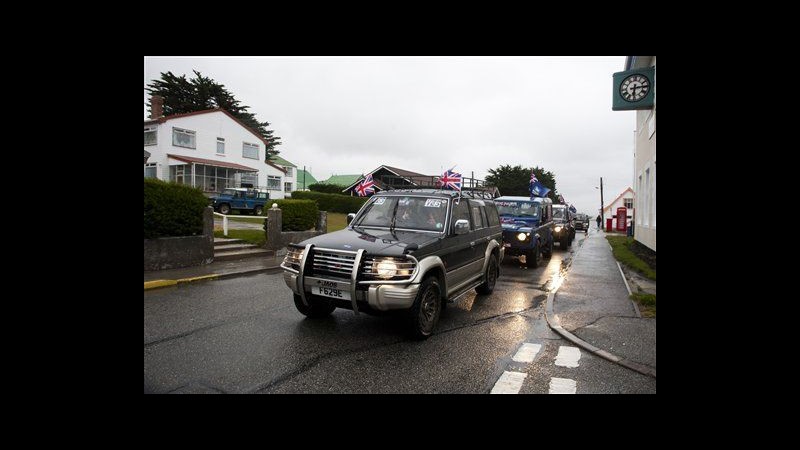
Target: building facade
211	150
626	199
644	169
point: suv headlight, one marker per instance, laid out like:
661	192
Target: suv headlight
521	236
558	229
293	257
386	268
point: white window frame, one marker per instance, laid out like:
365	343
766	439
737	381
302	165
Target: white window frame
246	145
288	170
276	183
154	130
190	133
625	203
153	166
287	184
221	141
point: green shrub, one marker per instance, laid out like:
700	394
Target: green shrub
297	215
327	188
172	209
332	202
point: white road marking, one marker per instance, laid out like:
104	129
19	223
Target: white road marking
509	383
568	356
527	352
562	386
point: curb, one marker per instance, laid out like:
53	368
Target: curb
555	325
635	306
214	276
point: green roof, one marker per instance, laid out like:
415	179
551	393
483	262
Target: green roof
281	162
309	179
343	180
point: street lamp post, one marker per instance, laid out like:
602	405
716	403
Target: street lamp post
602	215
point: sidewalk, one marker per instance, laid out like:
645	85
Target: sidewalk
592	309
217	269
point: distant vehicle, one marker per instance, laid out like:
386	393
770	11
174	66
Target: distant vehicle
582	221
564	231
527	227
243	199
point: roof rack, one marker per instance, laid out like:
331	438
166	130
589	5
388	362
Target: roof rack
470	187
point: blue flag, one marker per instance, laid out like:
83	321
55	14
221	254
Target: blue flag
572	209
537	188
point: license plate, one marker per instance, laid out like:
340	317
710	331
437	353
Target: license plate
330	292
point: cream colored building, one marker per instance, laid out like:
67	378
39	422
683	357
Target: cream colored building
644	168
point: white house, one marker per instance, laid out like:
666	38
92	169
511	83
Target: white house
208	149
626	199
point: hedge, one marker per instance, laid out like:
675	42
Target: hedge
297	215
172	209
332	202
327	188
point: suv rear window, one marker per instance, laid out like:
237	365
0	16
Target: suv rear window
491	214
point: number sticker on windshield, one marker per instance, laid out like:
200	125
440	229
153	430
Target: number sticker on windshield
433	203
380	201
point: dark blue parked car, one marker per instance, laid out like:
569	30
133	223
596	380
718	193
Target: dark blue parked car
527	227
240	198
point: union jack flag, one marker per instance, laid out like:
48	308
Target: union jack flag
366	187
451	180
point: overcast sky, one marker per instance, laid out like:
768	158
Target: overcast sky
348	115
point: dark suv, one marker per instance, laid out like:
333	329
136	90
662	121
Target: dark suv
527	227
564	231
407	251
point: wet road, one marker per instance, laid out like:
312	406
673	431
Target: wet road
244	335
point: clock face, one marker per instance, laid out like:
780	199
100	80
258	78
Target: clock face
634	88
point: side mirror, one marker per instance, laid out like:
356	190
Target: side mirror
462	226
350	217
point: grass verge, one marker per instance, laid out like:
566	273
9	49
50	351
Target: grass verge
257	237
647	303
621	246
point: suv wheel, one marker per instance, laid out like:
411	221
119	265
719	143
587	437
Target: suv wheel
224	208
259	210
548	251
424	314
490	277
317	307
534	258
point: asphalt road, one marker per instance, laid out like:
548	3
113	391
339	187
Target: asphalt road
244	335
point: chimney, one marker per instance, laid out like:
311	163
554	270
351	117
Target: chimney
156	106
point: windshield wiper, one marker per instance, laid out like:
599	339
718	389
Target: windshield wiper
394	216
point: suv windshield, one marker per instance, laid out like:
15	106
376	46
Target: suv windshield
558	213
230	192
528	209
414	213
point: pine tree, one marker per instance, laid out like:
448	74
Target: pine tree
182	95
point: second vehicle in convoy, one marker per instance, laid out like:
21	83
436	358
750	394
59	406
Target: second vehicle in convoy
564	231
527	227
406	251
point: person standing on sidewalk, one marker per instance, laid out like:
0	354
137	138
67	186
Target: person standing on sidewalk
598	220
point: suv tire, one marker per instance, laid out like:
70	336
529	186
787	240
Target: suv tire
534	258
424	314
317	307
490	277
259	210
548	252
224	208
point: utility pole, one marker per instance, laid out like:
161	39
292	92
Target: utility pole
304	178
602	214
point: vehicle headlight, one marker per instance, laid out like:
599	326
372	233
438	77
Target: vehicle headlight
558	229
521	236
386	269
293	257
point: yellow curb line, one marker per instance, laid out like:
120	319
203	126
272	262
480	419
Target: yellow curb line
162	283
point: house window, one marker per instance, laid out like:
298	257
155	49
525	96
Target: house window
248	179
150	136
288	171
220	146
273	183
628	203
150	170
183	138
287	187
249	150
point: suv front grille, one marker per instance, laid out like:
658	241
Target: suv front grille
337	263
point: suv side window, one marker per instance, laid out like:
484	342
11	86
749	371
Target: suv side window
460	211
477	216
491	215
